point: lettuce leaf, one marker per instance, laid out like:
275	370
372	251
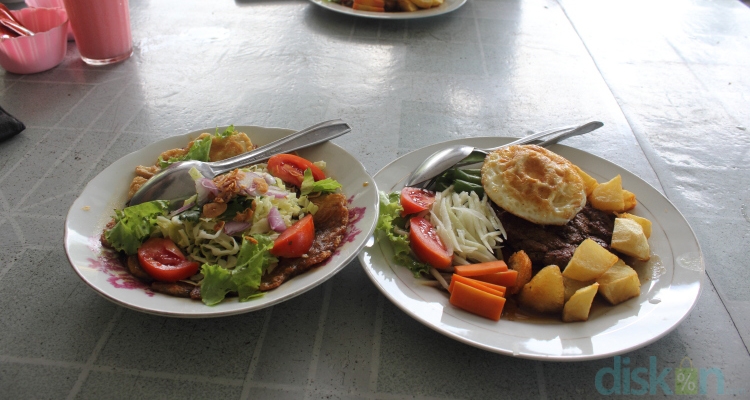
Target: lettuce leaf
253	259
227	132
134	224
388	220
217	282
198	151
309	185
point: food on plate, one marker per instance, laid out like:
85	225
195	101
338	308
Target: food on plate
243	233
628	238
390	5
589	261
478	236
545	292
619	283
534	183
577	308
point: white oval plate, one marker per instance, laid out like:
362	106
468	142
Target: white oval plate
671	280
448	6
101	270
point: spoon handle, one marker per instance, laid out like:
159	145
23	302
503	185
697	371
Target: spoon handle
313	135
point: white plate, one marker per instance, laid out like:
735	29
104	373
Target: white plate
100	269
671	280
448	6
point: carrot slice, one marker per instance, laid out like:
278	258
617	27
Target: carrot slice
506	278
484	268
477	301
487	287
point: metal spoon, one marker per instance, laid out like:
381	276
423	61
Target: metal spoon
174	183
460	155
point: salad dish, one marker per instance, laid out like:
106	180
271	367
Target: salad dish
607	265
376	9
247	239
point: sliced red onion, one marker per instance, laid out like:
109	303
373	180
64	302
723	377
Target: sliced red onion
276	192
232	227
181	209
204	187
269	178
275	221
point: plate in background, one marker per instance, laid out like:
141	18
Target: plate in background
446	7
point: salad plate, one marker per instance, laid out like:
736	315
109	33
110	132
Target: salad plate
670	281
446	7
101	269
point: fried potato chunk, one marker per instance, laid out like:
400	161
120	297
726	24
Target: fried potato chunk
619	283
589	183
589	261
545	292
607	196
572	285
645	223
628	238
579	305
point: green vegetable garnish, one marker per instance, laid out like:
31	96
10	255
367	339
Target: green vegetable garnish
389	220
309	185
133	225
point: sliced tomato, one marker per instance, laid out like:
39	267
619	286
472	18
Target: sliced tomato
415	200
295	240
427	244
164	261
291	169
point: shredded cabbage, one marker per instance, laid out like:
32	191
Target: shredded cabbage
467	226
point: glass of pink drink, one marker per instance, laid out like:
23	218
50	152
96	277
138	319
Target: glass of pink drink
101	29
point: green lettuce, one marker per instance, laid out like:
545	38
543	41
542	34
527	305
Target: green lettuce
198	151
388	220
134	224
309	185
253	259
227	132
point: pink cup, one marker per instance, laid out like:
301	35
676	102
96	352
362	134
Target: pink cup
101	29
44	50
50	4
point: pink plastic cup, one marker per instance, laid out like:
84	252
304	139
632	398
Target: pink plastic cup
50	4
45	50
101	29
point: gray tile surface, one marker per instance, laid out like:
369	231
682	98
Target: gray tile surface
668	79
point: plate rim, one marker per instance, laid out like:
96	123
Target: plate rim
535	356
433	12
162	145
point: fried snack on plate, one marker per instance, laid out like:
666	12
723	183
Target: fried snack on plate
534	183
619	283
422	3
572	285
407	5
579	305
628	199
545	292
588	181
437	3
521	263
589	261
607	196
643	222
628	238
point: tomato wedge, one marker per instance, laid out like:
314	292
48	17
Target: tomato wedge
415	200
164	261
291	169
295	240
427	245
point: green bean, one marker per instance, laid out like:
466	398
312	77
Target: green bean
464	186
460	174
